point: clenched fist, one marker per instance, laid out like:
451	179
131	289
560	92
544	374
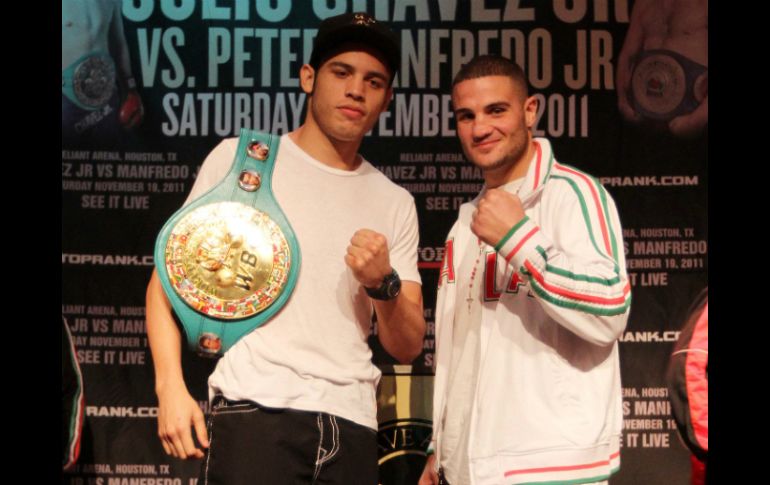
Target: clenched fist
368	257
497	212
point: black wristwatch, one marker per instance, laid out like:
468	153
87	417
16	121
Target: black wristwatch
389	289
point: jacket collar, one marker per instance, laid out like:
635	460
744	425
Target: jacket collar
538	172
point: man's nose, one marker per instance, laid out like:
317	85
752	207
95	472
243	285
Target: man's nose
481	128
356	87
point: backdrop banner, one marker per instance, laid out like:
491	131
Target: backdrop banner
150	87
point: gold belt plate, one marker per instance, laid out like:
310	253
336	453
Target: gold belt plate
228	260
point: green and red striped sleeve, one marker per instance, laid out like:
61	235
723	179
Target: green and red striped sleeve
591	279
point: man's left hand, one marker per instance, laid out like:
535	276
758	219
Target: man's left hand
368	257
497	212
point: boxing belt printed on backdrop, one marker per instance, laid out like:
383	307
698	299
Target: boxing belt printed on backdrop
666	84
90	81
229	260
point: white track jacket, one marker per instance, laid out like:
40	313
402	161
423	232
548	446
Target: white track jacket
547	403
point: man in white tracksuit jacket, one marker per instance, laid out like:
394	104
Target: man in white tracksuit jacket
533	295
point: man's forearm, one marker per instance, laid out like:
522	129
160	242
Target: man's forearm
164	337
400	322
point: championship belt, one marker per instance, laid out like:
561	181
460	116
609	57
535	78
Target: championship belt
89	82
663	84
229	260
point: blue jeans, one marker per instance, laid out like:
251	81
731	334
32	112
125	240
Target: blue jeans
252	444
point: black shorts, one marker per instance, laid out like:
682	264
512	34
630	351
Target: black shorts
252	444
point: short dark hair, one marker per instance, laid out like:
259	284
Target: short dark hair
492	65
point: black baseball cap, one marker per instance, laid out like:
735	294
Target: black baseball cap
358	27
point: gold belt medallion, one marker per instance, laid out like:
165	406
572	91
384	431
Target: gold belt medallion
228	260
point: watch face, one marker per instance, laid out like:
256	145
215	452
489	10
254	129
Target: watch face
394	287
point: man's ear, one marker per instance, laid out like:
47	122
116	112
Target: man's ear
530	111
307	78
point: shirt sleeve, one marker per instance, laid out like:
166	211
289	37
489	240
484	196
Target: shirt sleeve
214	168
575	262
687	379
403	249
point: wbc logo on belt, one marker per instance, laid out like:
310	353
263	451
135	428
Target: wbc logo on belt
227	260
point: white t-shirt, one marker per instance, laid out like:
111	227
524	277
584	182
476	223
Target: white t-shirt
313	354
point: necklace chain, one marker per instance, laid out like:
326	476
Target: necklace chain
473	275
478	257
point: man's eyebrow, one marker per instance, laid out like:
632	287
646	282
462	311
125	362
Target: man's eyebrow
378	75
463	111
349	68
341	64
496	104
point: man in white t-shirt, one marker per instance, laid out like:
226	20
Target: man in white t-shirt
294	400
